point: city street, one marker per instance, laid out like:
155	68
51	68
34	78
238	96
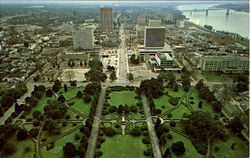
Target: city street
122	71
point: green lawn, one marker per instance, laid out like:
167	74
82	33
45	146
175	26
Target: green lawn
206	107
71	93
190	149
57	151
63	129
163	101
213	77
178	113
111	116
123	146
225	151
137	115
20	146
81	106
122	98
40	105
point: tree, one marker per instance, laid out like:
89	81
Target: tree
95	63
36	114
65	88
235	125
133	109
95	75
22	134
200	104
61	99
113	76
34	132
134	60
92	87
109	132
201	126
87	99
79	94
216	106
69	150
112	109
73	84
178	148
167	153
173	100
49	93
199	85
130	77
175	87
136	131
55	88
9	148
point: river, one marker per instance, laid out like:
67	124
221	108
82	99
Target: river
236	22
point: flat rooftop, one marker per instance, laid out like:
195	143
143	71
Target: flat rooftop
165	56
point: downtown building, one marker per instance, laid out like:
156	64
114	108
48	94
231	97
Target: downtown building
225	64
106	15
154	37
83	38
141	20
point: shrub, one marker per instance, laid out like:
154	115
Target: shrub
146	140
147	152
110	132
77	136
173	100
191	102
158	111
34	132
169	115
191	98
178	148
169	136
133	109
49	93
112	109
163	107
145	133
67	117
9	148
44	139
136	131
87	99
22	134
27	149
172	124
98	153
79	94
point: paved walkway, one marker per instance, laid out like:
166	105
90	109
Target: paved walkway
151	129
90	153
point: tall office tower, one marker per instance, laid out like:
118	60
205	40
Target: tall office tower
83	38
141	20
154	23
154	37
106	15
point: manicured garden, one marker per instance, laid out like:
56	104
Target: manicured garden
56	151
123	146
123	100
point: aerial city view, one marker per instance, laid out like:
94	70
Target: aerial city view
124	79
